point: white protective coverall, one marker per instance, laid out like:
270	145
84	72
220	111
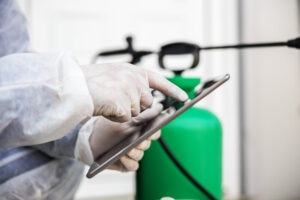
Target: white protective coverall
42	98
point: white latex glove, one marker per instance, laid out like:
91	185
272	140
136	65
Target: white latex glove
130	162
121	90
107	133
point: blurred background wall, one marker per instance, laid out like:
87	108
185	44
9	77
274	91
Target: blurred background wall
271	99
259	107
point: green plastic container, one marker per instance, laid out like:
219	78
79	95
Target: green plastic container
195	138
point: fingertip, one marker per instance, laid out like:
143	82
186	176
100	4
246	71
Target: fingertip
136	154
137	166
155	136
146	99
129	164
134	166
144	145
183	96
178	94
159	106
156	81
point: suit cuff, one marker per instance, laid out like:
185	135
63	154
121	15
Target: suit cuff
83	150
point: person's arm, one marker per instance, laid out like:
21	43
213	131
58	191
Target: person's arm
37	102
42	97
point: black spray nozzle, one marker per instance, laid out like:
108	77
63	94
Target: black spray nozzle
295	43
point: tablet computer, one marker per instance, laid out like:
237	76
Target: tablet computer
134	139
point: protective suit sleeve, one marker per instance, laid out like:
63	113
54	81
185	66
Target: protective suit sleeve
74	145
63	147
83	151
42	97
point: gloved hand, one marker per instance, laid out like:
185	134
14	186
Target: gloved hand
130	162
121	90
107	133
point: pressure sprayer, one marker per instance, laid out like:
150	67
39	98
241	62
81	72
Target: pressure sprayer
191	168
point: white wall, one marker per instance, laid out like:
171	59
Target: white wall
272	101
88	26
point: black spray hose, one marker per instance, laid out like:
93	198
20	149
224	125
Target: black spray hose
184	171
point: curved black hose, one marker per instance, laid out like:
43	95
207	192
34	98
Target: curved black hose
184	171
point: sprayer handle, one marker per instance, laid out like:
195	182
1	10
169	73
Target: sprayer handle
295	43
179	48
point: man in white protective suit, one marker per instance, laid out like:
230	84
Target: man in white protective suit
56	115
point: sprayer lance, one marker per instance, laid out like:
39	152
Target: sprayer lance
295	43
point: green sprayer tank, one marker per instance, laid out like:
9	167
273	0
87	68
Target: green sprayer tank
195	138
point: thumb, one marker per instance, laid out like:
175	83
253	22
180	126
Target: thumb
147	114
